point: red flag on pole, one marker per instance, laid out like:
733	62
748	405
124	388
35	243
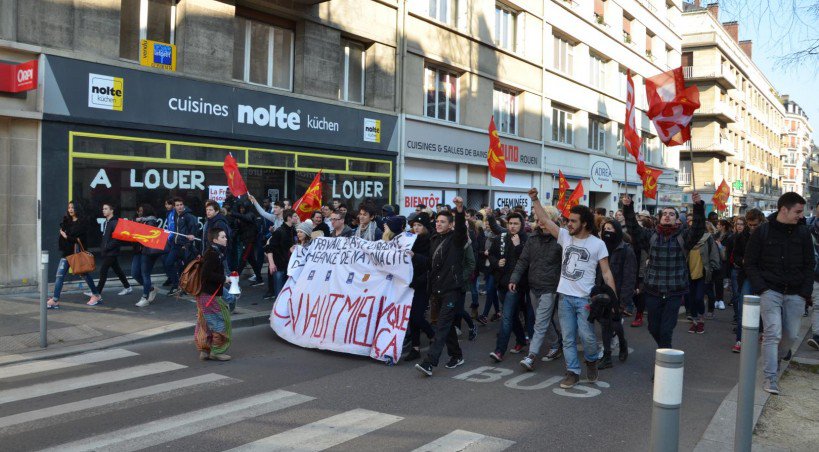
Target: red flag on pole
131	231
720	198
495	157
631	137
563	185
311	200
671	106
650	177
574	199
234	177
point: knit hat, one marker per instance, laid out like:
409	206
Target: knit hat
396	223
387	210
420	217
305	227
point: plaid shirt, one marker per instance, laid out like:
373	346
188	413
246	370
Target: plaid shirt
667	269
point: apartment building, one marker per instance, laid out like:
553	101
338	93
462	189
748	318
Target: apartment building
813	175
736	133
796	149
553	73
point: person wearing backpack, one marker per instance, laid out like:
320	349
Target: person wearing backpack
703	262
212	333
779	263
184	226
667	274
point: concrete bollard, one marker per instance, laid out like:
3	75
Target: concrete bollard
747	373
43	298
668	389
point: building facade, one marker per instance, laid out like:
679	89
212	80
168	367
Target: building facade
796	149
736	133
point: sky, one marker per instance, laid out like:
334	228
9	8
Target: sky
775	32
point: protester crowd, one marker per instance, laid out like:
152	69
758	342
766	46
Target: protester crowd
549	279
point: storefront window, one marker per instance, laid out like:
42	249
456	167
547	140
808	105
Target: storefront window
309	161
94	145
205	153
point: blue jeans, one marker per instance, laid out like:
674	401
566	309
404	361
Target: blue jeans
544	319
141	268
279	278
171	262
781	315
491	295
473	288
662	317
735	299
62	269
573	313
510	323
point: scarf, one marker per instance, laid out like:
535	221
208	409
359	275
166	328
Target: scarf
667	230
367	234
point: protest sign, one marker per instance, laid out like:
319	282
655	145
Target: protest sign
348	295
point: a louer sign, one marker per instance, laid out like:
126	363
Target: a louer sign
173	101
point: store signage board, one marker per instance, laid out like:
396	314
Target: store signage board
16	78
157	54
163	100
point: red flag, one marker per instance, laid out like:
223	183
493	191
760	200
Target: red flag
631	138
234	177
671	106
131	231
720	198
563	185
495	157
574	199
650	177
311	200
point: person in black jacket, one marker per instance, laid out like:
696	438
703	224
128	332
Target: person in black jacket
753	219
319	224
444	285
277	251
73	237
181	244
503	256
212	334
779	263
248	230
623	264
109	251
418	323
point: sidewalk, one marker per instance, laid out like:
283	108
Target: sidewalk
76	327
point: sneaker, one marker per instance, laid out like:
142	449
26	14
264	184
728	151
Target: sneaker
152	295
623	355
615	342
591	370
482	320
125	291
473	332
425	368
570	381
693	328
219	357
457	331
52	304
604	363
496	316
253	278
174	292
268	296
528	363
770	386
454	362
95	300
553	355
638	321
258	282
814	342
788	356
204	356
496	356
700	328
142	302
689	318
516	349
720	305
88	293
412	355
737	348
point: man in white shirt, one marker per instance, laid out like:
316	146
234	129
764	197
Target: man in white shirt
583	251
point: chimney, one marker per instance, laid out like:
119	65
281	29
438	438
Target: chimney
713	8
746	47
697	4
733	30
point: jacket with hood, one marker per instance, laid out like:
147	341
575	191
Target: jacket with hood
109	246
246	223
447	256
503	248
183	225
218	221
541	257
709	253
623	265
779	257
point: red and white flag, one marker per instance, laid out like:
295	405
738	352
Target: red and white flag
632	139
671	106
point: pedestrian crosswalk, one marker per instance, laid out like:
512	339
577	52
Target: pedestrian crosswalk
103	391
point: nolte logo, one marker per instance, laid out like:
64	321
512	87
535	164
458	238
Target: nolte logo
271	117
372	130
105	92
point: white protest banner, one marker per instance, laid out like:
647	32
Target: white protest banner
348	295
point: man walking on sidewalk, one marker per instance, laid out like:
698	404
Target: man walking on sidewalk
109	250
445	282
667	274
779	263
582	253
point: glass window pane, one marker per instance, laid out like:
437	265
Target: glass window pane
129	30
556	52
159	20
429	85
513	113
204	153
453	98
118	147
307	161
282	51
442	92
369	167
239	49
356	75
259	36
272	159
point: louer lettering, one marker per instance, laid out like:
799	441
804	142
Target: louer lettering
272	117
170	179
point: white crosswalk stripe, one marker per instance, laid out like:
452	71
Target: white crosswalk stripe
62	363
323	434
172	428
463	441
118	401
70	384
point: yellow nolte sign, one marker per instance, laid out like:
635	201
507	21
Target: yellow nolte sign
157	54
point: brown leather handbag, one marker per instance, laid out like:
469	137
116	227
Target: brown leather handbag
81	262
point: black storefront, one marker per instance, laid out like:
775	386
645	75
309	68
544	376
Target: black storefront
133	137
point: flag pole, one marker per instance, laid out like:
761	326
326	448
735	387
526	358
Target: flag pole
625	170
691	156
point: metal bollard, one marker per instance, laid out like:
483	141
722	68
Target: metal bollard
43	298
747	373
668	389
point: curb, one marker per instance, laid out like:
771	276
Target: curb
719	435
173	330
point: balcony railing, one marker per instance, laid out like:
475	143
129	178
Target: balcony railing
722	146
722	75
684	178
721	110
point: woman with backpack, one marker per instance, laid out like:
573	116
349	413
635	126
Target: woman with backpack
212	333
